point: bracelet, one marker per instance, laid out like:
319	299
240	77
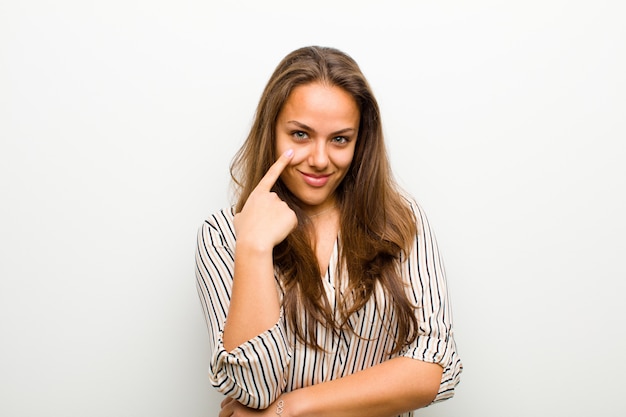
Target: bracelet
280	405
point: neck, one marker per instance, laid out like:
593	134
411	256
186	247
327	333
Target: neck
323	211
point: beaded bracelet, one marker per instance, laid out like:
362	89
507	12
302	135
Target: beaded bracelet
280	405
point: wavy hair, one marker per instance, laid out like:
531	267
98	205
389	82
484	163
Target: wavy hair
377	226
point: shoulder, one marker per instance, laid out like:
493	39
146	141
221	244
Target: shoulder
220	224
419	214
221	218
414	205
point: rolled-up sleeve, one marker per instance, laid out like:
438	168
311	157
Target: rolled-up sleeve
253	373
435	342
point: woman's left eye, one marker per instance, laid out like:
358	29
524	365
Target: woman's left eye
340	139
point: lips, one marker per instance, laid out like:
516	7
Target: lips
315	180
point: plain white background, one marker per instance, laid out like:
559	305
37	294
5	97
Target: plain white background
118	120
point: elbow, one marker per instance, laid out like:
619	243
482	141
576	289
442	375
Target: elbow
427	386
250	398
429	392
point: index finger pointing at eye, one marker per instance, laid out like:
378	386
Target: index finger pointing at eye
272	175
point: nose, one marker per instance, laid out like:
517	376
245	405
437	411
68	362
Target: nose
318	156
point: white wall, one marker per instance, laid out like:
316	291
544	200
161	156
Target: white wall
117	123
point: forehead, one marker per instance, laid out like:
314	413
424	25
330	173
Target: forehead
317	103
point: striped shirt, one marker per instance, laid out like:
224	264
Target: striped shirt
259	370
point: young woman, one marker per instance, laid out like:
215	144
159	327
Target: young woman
323	288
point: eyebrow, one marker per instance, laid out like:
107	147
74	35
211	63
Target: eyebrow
310	129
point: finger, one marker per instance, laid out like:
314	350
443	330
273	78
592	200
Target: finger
272	174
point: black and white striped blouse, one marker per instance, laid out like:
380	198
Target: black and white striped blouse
258	371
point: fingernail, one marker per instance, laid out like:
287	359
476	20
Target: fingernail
289	152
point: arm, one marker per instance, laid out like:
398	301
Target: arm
254	371
264	222
254	305
391	388
424	270
239	297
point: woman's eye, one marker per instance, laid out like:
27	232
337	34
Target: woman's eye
340	139
300	135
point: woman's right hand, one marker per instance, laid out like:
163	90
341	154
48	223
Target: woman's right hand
265	219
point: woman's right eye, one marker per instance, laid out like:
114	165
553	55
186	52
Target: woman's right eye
299	135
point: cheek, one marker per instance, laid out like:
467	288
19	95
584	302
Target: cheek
343	160
281	146
299	156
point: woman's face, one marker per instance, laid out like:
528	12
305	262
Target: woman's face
320	123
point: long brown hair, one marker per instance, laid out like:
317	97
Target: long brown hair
377	227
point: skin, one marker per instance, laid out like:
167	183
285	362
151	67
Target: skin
316	133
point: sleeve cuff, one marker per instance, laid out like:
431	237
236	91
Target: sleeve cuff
441	352
254	373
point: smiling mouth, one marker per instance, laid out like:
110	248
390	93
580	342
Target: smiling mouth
315	180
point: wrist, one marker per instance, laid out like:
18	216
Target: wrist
280	407
291	404
253	247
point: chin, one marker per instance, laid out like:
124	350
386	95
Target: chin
310	201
